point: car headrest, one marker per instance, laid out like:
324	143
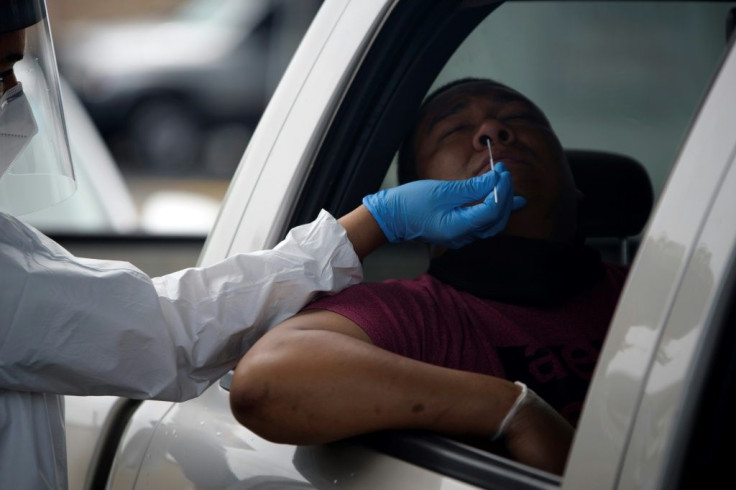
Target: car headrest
617	193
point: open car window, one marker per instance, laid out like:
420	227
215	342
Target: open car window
631	94
623	77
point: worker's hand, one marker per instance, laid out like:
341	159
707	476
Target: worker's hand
439	211
537	435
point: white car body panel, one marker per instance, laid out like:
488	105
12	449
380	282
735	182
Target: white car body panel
674	367
640	336
136	440
710	260
231	456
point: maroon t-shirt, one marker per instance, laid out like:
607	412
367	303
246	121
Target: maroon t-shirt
552	349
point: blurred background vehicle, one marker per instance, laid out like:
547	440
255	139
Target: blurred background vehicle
180	94
136	201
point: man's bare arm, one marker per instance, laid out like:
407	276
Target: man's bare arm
317	378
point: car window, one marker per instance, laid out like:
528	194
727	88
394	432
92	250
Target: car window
619	77
624	77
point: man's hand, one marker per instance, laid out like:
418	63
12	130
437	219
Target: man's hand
437	211
538	436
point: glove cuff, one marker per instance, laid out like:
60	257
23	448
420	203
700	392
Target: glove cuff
512	411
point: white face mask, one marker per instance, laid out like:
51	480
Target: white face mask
17	126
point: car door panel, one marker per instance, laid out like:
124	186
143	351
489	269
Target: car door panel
636	332
672	386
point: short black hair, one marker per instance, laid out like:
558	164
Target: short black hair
407	171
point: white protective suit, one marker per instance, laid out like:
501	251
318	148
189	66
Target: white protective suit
91	327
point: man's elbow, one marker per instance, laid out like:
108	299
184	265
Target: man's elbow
283	388
266	387
251	399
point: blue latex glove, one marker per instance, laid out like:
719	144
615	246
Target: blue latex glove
437	211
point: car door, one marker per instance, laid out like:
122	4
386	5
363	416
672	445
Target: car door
645	404
328	138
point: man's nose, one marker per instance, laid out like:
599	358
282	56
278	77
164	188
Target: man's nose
494	130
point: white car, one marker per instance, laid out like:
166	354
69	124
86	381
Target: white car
653	81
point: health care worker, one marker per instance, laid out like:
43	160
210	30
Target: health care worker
75	326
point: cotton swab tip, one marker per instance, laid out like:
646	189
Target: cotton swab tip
490	156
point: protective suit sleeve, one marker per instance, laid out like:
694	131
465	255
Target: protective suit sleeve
79	326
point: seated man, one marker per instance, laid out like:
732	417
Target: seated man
440	352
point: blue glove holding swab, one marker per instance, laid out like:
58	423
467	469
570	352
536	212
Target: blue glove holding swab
439	212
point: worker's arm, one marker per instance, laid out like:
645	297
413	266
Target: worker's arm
77	326
317	378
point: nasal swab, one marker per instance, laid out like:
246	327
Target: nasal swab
490	155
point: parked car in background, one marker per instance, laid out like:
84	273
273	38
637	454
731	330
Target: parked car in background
181	95
653	81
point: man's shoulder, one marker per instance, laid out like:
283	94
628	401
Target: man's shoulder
391	290
421	283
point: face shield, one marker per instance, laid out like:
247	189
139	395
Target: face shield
35	162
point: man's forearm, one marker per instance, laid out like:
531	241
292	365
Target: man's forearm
311	386
317	378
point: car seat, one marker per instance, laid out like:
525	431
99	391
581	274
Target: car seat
617	199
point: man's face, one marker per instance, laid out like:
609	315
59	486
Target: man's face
12	45
449	144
